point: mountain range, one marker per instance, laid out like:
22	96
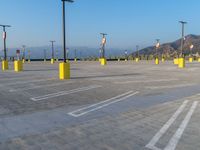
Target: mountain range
173	48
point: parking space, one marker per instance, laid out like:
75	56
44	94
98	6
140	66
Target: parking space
123	105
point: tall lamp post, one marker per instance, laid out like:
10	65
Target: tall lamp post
181	62
138	54
23	59
183	36
45	55
103	43
191	57
157	47
4	62
64	68
52	51
126	55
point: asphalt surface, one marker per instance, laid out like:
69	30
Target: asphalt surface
121	106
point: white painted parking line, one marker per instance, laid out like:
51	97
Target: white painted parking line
145	81
116	78
170	86
166	126
24	82
97	106
176	137
38	87
39	98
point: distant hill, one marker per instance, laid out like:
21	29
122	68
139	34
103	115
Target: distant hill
174	47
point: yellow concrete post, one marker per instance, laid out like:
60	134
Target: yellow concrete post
23	61
75	60
163	59
4	65
52	61
191	59
103	61
181	63
198	59
18	66
156	61
176	61
137	59
64	70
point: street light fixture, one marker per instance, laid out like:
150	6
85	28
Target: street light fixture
183	36
4	38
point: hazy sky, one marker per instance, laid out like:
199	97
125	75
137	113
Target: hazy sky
128	22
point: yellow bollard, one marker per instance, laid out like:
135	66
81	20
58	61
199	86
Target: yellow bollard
156	61
126	60
18	66
198	59
191	59
75	60
52	61
163	60
4	65
64	70
23	61
103	61
181	63
176	61
137	59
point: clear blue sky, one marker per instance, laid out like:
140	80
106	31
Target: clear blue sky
128	22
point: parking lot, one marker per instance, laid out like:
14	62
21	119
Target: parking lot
120	106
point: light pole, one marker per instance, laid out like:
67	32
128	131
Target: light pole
191	57
64	68
157	47
183	36
23	46
191	48
52	48
138	53
103	43
29	56
64	32
75	52
45	56
4	39
126	55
